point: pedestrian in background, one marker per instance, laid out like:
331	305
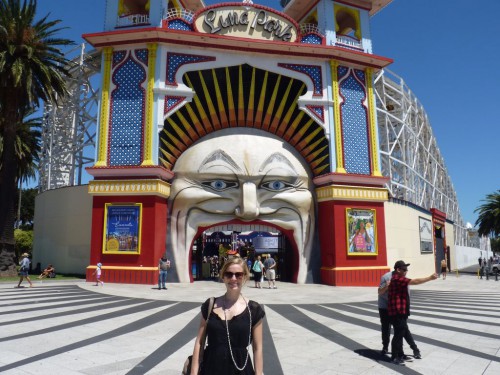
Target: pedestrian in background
24	270
98	273
399	306
257	271
444	268
163	267
270	266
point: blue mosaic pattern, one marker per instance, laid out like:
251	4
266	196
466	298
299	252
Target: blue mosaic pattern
142	55
318	111
312	39
127	106
176	60
179	25
341	72
313	71
118	57
171	102
354	126
361	75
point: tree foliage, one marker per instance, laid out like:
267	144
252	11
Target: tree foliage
32	69
488	221
27	216
24	242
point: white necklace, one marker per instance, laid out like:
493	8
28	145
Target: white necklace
229	339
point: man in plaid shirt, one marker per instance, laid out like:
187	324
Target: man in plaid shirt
398	307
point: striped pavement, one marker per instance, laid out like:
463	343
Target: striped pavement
78	328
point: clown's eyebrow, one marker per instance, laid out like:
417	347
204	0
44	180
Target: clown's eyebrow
218	155
278	158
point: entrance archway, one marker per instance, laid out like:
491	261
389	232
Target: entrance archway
213	244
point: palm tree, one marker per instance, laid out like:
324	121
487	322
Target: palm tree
32	68
488	221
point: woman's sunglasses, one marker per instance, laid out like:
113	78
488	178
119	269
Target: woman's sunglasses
229	275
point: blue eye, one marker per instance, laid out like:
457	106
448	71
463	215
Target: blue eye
219	185
276	185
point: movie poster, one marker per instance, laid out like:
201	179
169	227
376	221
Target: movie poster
361	232
122	230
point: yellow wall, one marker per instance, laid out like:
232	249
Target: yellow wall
403	239
63	220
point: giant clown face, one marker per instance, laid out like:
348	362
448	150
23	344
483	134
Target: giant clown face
240	174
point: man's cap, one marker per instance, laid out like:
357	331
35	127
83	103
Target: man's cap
401	264
25	255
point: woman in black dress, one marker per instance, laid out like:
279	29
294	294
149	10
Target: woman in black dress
232	326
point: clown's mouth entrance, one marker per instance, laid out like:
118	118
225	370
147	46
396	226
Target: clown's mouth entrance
248	241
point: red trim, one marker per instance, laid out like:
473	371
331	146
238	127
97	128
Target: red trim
333	242
153	239
223	43
350	179
146	171
345	2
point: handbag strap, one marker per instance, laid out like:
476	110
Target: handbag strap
204	337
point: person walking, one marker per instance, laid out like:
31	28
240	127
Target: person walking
24	270
233	324
270	266
257	271
385	321
399	306
98	273
444	268
163	267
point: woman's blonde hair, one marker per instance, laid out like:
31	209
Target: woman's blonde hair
238	261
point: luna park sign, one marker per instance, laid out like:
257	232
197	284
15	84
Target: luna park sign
246	22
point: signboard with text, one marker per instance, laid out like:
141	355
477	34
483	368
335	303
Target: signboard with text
247	21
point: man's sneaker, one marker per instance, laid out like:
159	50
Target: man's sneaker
417	355
384	351
398	361
407	358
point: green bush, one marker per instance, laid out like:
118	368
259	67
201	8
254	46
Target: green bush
24	242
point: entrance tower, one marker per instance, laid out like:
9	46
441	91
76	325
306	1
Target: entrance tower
238	114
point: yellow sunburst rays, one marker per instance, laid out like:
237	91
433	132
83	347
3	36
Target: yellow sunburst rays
220	102
211	108
241	105
251	102
293	127
230	100
181	140
310	151
274	125
286	120
195	121
270	108
207	125
300	133
260	106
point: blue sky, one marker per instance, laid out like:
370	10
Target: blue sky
448	54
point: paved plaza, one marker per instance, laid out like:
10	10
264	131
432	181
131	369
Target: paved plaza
78	328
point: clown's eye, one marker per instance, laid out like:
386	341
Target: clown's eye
219	185
276	185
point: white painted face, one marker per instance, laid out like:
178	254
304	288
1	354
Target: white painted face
240	174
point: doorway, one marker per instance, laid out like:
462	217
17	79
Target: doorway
217	243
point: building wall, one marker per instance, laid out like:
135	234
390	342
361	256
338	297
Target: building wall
403	239
63	220
62	235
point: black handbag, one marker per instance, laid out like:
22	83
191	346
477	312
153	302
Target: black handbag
186	369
